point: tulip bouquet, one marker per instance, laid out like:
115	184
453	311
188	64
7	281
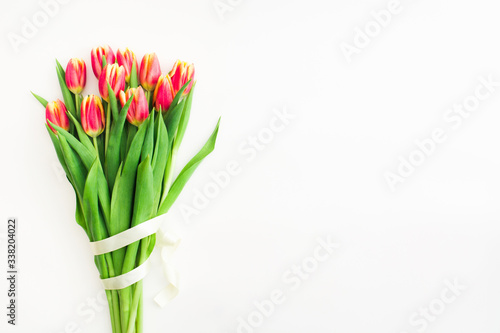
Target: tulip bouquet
118	151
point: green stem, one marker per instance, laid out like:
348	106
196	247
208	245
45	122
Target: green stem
148	95
78	105
108	121
169	173
96	146
135	306
138	289
125	300
109	296
140	317
115	315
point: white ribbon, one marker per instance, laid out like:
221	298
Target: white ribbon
167	241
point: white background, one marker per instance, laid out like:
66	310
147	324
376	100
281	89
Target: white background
322	176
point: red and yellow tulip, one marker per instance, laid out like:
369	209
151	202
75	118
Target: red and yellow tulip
76	75
55	112
96	56
150	71
180	74
138	111
92	114
115	76
164	94
126	59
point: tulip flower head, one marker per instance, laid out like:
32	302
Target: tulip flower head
126	59
138	111
150	71
96	56
180	74
164	94
55	112
92	113
115	76
76	75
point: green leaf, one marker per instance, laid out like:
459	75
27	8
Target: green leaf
84	138
80	219
87	157
112	102
172	119
40	99
114	144
57	147
143	208
76	168
143	203
67	95
116	202
134	82
123	195
187	171
147	149
91	207
162	151
178	96
183	121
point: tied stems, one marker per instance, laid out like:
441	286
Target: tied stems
136	311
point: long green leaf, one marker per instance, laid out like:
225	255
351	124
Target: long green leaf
40	99
114	144
172	119
178	96
84	138
134	82
112	101
162	151
87	157
187	171
76	168
57	147
143	208
148	147
69	100
184	120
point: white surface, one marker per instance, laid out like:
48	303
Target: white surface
323	174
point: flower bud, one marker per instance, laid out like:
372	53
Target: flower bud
93	119
180	74
96	56
126	59
150	71
138	111
55	112
76	75
115	76
164	94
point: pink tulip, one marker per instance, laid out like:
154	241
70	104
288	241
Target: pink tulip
180	74
96	56
55	112
92	113
127	59
115	76
164	94
138	111
150	71
76	75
